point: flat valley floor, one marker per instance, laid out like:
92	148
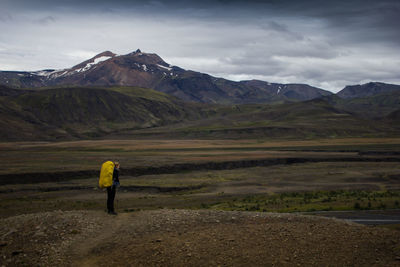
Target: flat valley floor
202	202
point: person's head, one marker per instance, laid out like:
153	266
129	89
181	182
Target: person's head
116	164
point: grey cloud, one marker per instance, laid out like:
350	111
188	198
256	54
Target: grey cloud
45	20
277	27
281	29
5	17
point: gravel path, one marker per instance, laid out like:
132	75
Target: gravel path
192	237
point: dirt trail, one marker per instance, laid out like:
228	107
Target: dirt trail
81	251
192	238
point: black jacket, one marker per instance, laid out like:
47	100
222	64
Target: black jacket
116	175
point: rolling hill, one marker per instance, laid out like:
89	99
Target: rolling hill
374	107
301	120
79	112
132	112
394	117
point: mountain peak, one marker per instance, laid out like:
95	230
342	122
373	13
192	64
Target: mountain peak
105	54
138	52
143	58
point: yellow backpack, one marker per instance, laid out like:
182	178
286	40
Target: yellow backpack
106	174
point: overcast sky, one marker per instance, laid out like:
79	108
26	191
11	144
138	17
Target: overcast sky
328	44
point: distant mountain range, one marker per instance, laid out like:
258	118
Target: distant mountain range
139	95
150	71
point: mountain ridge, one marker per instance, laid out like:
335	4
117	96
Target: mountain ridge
367	90
149	70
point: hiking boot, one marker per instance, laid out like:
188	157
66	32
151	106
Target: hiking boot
112	213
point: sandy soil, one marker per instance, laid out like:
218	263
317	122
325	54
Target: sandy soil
192	238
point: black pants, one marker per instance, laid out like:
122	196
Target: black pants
110	198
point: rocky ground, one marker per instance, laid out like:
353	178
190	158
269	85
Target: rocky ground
192	238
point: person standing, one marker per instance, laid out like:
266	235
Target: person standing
111	190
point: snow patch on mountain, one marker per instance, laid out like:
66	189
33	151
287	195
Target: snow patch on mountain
42	72
95	62
58	74
49	73
163	67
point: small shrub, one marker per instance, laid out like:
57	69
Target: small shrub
204	206
357	206
382	206
327	199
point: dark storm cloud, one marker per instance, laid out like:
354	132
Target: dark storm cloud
371	17
356	20
324	43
